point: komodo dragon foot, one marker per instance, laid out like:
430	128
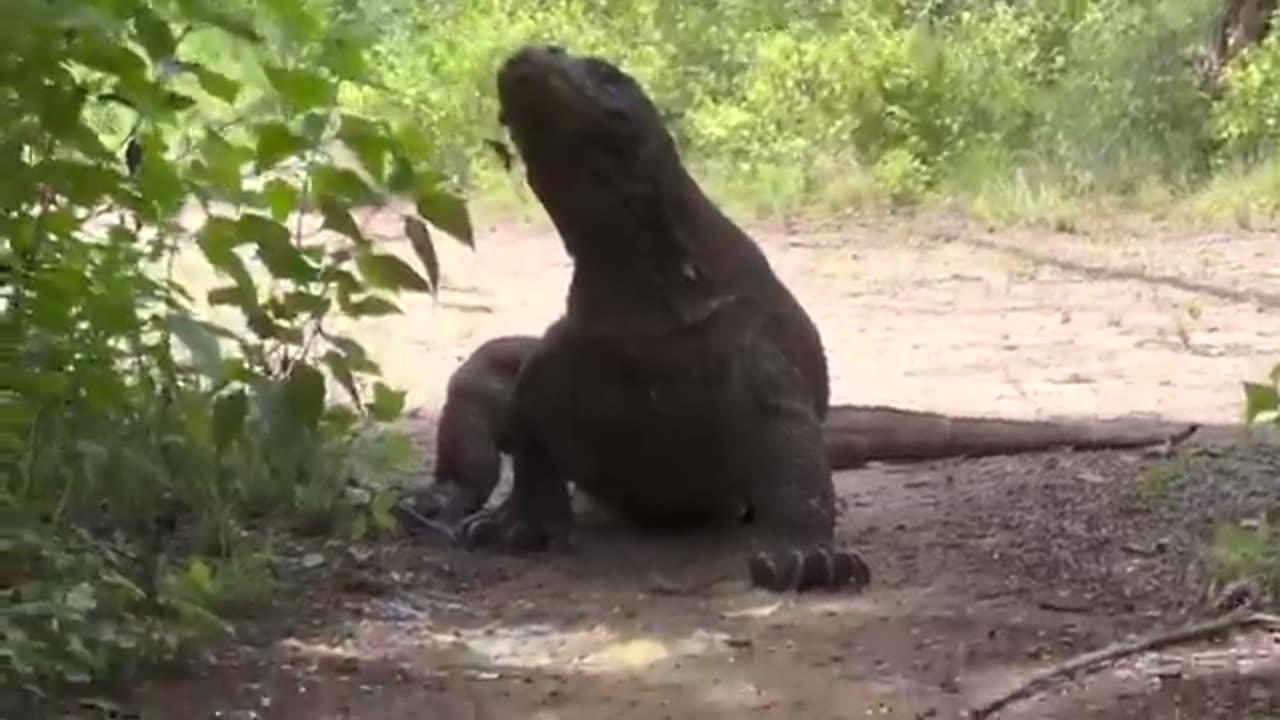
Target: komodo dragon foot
537	515
809	569
504	527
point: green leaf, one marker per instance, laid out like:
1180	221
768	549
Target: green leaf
275	142
305	303
218	239
81	598
124	584
447	212
215	13
413	142
229	413
359	527
294	19
45	383
222	162
192	614
276	249
301	89
80	183
337	364
420	238
199	576
281	197
366	140
371	306
338	219
59	106
304	394
356	356
387	403
153	33
100	53
200	340
264	327
345	58
314	124
158	179
389	272
340	183
178	102
380	510
1259	399
221	234
402	178
340	420
217	84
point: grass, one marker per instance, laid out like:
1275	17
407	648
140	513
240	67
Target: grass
1248	552
986	185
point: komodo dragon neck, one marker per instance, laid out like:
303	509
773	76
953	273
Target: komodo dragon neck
653	255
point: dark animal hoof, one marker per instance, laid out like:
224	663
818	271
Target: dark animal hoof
435	508
502	527
809	569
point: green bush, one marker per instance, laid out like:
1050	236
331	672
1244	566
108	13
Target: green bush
889	100
1247	554
1262	400
1248	118
146	447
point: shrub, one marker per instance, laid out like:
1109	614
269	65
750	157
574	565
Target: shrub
1079	98
142	439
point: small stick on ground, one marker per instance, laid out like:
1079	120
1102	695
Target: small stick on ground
1120	650
427	524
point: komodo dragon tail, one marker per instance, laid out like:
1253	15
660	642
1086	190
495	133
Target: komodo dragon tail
856	435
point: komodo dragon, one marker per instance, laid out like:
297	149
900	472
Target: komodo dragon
471	435
684	383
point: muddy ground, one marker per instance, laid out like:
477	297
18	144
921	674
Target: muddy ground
985	569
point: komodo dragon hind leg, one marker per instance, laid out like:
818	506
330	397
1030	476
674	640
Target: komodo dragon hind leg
468	467
538	512
470	437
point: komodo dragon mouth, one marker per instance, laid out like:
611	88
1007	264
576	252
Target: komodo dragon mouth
544	88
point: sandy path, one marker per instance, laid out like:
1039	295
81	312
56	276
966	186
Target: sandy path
984	568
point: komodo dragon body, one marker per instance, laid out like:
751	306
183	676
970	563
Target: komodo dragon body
684	384
471	434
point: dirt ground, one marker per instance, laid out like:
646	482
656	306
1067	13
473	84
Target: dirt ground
985	569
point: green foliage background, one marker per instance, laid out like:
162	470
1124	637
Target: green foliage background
836	104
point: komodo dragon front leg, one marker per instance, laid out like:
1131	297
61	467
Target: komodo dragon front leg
782	458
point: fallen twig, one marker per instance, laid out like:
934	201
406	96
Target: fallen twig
424	523
1120	650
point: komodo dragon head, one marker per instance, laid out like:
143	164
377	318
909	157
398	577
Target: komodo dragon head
596	154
